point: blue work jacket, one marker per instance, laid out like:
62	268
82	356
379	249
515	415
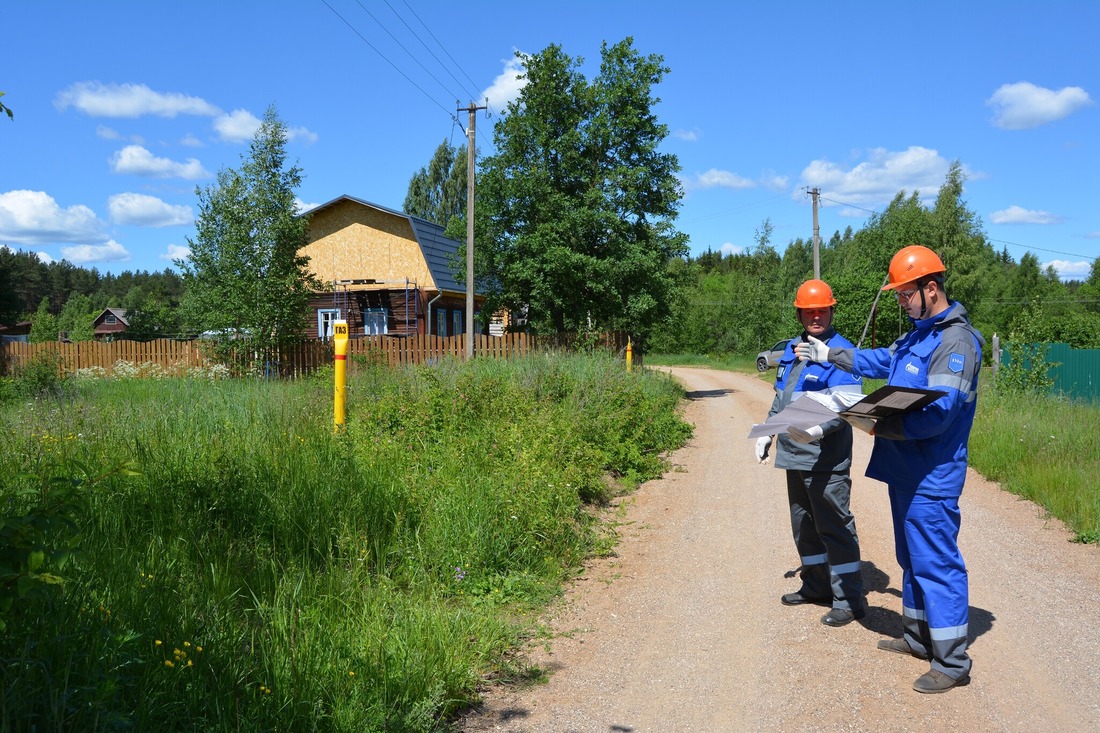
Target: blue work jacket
925	451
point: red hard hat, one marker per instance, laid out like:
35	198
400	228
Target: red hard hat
814	294
911	264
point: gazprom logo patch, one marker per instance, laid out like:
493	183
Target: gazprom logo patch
956	362
912	368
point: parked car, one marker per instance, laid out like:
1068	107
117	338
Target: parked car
765	360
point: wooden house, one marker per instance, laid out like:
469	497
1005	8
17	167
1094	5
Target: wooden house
110	324
389	272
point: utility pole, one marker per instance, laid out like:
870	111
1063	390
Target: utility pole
471	139
815	192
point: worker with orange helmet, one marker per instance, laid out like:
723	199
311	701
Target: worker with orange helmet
818	462
922	457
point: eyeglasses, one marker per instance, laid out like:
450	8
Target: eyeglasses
906	295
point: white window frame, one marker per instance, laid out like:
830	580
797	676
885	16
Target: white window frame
326	317
376	321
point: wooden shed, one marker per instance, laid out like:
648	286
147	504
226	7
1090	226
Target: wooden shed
389	272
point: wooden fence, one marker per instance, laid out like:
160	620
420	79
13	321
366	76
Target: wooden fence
168	356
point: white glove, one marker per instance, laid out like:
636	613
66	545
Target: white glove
866	424
762	445
812	350
809	435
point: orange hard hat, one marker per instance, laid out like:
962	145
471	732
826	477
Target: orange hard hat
814	294
911	264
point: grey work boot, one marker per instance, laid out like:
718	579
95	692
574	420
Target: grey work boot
934	681
899	646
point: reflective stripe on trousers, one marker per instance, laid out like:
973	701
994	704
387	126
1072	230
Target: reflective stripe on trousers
825	536
934	583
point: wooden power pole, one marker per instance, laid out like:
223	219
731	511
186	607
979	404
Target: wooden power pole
471	140
815	192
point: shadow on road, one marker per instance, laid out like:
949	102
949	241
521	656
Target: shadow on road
703	394
888	622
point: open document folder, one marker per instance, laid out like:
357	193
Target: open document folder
813	409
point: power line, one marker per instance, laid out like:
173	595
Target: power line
395	67
1052	251
989	239
410	53
417	37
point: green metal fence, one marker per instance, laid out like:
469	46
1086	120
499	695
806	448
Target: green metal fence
1076	372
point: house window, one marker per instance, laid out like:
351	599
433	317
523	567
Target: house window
440	321
110	320
456	322
376	321
326	317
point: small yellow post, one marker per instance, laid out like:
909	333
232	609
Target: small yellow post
340	340
629	354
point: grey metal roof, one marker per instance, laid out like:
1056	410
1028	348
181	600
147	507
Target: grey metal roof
439	251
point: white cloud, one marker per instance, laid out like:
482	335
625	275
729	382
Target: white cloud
1023	106
84	254
130	100
302	207
506	87
1070	270
1092	235
176	252
302	134
1020	215
688	135
730	249
136	160
238	126
190	141
877	180
44	257
137	209
33	217
774	181
107	133
715	178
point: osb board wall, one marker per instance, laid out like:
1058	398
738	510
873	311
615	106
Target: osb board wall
351	241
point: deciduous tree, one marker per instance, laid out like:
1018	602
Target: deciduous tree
575	210
244	273
437	192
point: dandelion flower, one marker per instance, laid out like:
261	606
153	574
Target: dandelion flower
168	663
158	642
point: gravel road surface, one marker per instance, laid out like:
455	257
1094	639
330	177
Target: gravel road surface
682	629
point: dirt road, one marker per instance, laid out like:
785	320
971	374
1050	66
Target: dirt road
682	630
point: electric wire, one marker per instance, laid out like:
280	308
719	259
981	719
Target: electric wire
457	65
395	67
410	53
417	37
988	239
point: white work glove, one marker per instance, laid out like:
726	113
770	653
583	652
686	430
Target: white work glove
865	424
809	435
762	445
812	350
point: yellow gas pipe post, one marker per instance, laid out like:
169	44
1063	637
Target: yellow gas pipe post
629	354
340	340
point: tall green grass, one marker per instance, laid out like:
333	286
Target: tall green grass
262	572
1044	449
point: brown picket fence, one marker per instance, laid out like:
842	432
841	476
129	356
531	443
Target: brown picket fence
170	357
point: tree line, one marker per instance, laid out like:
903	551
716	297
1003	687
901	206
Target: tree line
575	231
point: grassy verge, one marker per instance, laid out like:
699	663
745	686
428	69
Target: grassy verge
1043	449
246	568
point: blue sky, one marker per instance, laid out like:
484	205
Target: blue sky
123	108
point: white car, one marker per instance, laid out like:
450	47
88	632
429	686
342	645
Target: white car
765	360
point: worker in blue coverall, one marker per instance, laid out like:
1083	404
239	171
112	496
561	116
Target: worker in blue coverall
818	462
922	457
